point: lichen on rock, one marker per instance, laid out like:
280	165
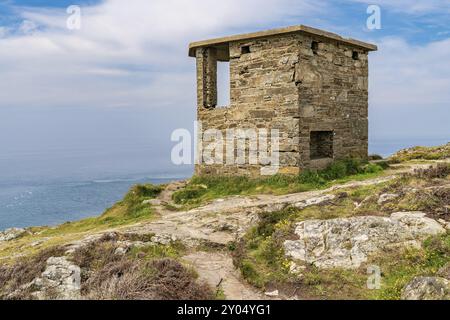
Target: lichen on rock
348	242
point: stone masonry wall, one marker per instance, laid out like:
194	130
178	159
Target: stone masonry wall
263	94
333	96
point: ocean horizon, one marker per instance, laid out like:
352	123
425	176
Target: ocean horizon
45	189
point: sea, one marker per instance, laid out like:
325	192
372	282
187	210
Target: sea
56	186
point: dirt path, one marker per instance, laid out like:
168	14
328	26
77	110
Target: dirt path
218	271
224	220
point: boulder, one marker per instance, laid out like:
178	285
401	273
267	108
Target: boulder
11	234
163	239
347	242
61	280
427	288
386	197
275	293
152	202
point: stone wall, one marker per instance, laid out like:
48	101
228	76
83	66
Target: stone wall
288	83
333	96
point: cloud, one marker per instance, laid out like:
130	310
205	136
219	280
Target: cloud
412	6
409	91
125	52
3	32
27	27
414	75
135	53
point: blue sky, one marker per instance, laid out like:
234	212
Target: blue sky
127	67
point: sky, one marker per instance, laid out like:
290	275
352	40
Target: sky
124	79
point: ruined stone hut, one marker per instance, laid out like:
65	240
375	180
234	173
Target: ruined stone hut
310	84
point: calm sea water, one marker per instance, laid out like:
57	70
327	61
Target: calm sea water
49	203
48	188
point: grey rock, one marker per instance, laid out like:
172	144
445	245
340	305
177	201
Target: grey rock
11	234
347	242
163	239
386	197
153	202
272	293
121	251
444	223
61	280
427	288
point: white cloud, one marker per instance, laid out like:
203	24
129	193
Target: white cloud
412	6
135	53
125	51
3	32
27	27
410	75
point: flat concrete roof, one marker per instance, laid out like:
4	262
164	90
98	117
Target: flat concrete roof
274	32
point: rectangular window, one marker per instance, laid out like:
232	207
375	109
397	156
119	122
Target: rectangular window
321	144
245	49
315	46
223	84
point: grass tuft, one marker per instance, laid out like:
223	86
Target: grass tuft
422	153
206	188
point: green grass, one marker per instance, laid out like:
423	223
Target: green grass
174	250
422	153
399	269
203	189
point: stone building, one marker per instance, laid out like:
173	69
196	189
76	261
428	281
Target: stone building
309	84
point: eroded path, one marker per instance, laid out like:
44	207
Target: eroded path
225	220
218	271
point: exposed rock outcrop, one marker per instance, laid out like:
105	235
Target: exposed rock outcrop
60	280
347	242
11	234
427	288
387	197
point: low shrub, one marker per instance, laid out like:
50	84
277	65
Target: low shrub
375	157
433	172
147	273
25	270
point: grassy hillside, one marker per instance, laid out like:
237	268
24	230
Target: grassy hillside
147	270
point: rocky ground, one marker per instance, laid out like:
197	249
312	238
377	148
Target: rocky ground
339	228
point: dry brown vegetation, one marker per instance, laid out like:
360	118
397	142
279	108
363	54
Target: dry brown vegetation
13	277
144	273
440	171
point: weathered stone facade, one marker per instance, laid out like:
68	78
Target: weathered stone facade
309	84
